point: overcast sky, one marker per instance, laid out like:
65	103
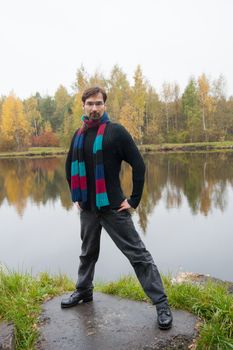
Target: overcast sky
43	42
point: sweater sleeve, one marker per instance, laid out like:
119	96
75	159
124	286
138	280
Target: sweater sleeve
69	161
131	155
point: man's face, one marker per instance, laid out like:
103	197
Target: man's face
94	106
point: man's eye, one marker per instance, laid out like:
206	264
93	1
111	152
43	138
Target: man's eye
98	103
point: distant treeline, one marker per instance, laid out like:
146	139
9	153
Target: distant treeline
201	113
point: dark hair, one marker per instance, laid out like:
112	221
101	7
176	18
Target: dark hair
93	91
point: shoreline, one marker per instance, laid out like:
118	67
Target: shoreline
163	148
188	147
34	152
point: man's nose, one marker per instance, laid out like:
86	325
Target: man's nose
94	107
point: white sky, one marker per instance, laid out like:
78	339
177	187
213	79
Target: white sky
43	42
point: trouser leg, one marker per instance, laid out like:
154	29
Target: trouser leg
120	227
90	236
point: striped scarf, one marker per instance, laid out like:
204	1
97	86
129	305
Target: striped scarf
78	169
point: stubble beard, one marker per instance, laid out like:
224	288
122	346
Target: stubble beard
95	115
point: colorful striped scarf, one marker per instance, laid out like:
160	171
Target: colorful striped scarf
78	169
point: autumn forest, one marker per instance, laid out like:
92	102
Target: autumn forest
202	112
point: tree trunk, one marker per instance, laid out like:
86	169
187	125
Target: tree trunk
203	119
167	118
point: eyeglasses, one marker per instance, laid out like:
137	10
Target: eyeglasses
97	103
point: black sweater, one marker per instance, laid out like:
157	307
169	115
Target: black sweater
118	145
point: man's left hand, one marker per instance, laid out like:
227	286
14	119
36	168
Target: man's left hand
124	205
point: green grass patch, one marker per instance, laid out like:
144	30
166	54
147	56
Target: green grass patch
46	149
21	298
182	147
211	302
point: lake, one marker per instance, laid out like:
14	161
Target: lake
184	218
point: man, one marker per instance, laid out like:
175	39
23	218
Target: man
92	170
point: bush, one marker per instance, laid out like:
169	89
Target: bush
47	139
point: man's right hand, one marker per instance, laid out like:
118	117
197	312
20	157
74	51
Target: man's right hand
77	205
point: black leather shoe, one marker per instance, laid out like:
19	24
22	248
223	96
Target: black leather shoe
164	317
76	297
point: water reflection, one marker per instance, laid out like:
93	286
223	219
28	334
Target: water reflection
201	179
36	180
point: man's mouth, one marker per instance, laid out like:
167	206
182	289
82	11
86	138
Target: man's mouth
94	115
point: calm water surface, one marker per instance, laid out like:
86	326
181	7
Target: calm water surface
185	216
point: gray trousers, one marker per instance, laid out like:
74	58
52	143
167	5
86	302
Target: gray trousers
120	228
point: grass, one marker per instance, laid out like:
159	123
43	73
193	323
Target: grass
180	147
22	295
210	302
21	298
35	151
195	146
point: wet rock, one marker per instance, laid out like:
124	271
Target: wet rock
200	280
7	339
110	322
3	269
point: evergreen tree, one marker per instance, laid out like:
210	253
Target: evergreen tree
62	103
191	110
47	109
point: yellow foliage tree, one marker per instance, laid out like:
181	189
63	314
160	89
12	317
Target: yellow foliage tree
48	127
206	101
129	119
77	112
15	128
119	92
138	99
81	82
33	115
72	120
167	96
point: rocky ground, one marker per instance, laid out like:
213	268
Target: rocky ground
110	322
